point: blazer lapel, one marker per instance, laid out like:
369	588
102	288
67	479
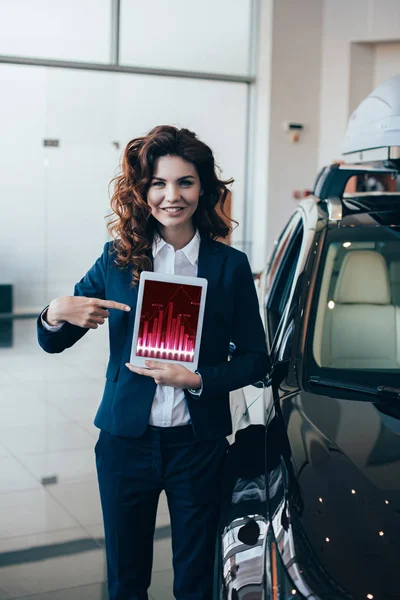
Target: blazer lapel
130	293
210	266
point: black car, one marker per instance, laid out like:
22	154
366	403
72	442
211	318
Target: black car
311	495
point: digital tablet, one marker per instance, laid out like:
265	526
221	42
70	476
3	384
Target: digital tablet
169	319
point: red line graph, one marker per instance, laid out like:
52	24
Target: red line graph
168	321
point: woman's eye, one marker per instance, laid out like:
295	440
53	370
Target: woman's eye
184	183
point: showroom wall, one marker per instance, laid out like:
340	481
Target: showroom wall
386	61
366	23
295	87
319	59
371	63
54	197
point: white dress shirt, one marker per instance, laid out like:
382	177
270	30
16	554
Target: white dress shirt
169	408
169	404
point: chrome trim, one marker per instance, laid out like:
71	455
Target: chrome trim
88	66
355	195
373	154
335	209
367	168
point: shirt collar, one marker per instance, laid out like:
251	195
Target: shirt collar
191	250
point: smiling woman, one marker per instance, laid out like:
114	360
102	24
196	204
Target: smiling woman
164	427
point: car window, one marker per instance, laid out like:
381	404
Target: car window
356	315
280	247
282	279
267	276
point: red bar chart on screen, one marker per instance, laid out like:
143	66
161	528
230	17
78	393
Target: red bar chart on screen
168	321
169	318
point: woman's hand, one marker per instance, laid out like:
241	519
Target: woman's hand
168	374
81	311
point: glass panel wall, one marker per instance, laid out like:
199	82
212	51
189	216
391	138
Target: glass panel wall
208	36
22	184
77	30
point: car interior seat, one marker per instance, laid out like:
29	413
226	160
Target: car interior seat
360	331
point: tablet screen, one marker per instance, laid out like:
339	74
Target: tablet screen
168	321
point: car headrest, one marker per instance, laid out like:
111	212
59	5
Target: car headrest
363	279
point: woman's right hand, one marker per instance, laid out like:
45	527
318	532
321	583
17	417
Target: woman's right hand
81	311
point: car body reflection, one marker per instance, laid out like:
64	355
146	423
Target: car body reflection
244	520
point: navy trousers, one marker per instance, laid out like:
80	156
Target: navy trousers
131	474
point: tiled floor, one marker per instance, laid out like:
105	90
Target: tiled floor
51	535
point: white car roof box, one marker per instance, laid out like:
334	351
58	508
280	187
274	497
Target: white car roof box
373	131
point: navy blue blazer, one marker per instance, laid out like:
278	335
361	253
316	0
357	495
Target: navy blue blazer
231	313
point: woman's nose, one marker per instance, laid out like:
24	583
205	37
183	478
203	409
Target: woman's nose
172	192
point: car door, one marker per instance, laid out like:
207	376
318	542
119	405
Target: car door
345	442
244	514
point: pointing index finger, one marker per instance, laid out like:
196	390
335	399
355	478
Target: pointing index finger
112	304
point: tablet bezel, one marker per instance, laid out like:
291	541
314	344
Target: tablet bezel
139	361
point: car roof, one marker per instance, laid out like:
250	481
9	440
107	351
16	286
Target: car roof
358	209
371	209
368	209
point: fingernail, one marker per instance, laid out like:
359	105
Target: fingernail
127	308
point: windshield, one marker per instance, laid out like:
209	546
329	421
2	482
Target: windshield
356	313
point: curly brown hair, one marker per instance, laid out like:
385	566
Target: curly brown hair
131	224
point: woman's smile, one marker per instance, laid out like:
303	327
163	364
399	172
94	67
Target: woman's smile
173	210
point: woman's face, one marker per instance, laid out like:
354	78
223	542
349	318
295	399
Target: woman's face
174	191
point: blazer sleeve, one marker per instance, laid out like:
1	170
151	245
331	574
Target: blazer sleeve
92	285
250	360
